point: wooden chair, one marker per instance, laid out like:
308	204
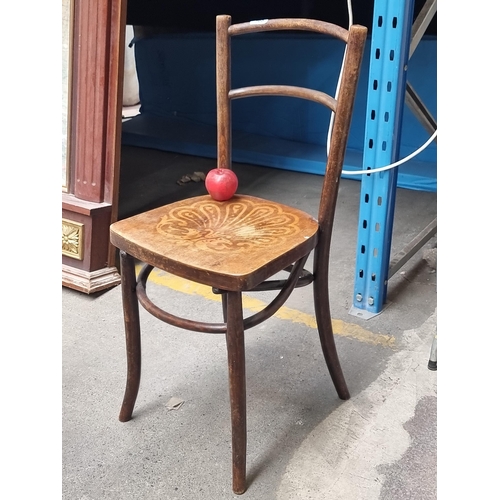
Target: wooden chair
237	245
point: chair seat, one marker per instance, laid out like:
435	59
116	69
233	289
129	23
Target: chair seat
232	245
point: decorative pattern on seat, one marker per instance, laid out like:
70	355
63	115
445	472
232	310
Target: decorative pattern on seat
236	226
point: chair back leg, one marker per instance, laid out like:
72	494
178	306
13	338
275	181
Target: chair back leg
224	306
325	330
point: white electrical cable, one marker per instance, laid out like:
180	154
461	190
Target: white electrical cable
395	164
349	10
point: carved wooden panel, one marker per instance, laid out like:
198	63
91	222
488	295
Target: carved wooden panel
97	83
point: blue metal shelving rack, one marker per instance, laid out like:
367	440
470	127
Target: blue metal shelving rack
393	41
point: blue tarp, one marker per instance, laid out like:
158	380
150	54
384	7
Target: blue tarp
176	75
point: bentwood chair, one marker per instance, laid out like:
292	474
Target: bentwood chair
240	245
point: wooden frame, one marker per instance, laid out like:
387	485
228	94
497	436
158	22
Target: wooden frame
94	140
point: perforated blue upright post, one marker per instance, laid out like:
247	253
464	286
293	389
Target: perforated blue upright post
391	34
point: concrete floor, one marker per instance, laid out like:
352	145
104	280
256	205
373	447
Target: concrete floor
303	442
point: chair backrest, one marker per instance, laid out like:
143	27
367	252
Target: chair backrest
342	106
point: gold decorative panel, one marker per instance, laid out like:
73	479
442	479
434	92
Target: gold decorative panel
72	239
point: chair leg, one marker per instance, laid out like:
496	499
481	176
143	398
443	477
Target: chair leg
224	306
325	330
237	388
132	335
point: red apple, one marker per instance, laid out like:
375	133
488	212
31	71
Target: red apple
221	183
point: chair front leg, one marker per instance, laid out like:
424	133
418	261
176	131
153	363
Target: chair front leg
237	388
132	335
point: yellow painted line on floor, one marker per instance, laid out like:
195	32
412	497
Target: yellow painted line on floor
252	304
